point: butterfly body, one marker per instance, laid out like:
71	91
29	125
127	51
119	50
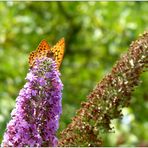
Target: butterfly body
45	50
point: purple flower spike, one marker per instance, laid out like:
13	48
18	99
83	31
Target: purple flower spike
38	108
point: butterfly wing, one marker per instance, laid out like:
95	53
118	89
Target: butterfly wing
44	50
41	51
58	51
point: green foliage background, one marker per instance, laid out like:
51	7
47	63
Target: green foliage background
96	34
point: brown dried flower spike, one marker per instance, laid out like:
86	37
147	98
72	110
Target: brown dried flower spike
108	98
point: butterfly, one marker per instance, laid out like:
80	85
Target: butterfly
45	50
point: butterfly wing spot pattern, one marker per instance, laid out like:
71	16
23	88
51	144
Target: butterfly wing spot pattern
58	51
45	50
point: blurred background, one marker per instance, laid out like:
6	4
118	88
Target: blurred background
96	34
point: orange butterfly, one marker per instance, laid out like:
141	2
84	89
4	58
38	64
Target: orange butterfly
45	50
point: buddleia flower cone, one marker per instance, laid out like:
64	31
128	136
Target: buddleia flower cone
108	98
35	118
